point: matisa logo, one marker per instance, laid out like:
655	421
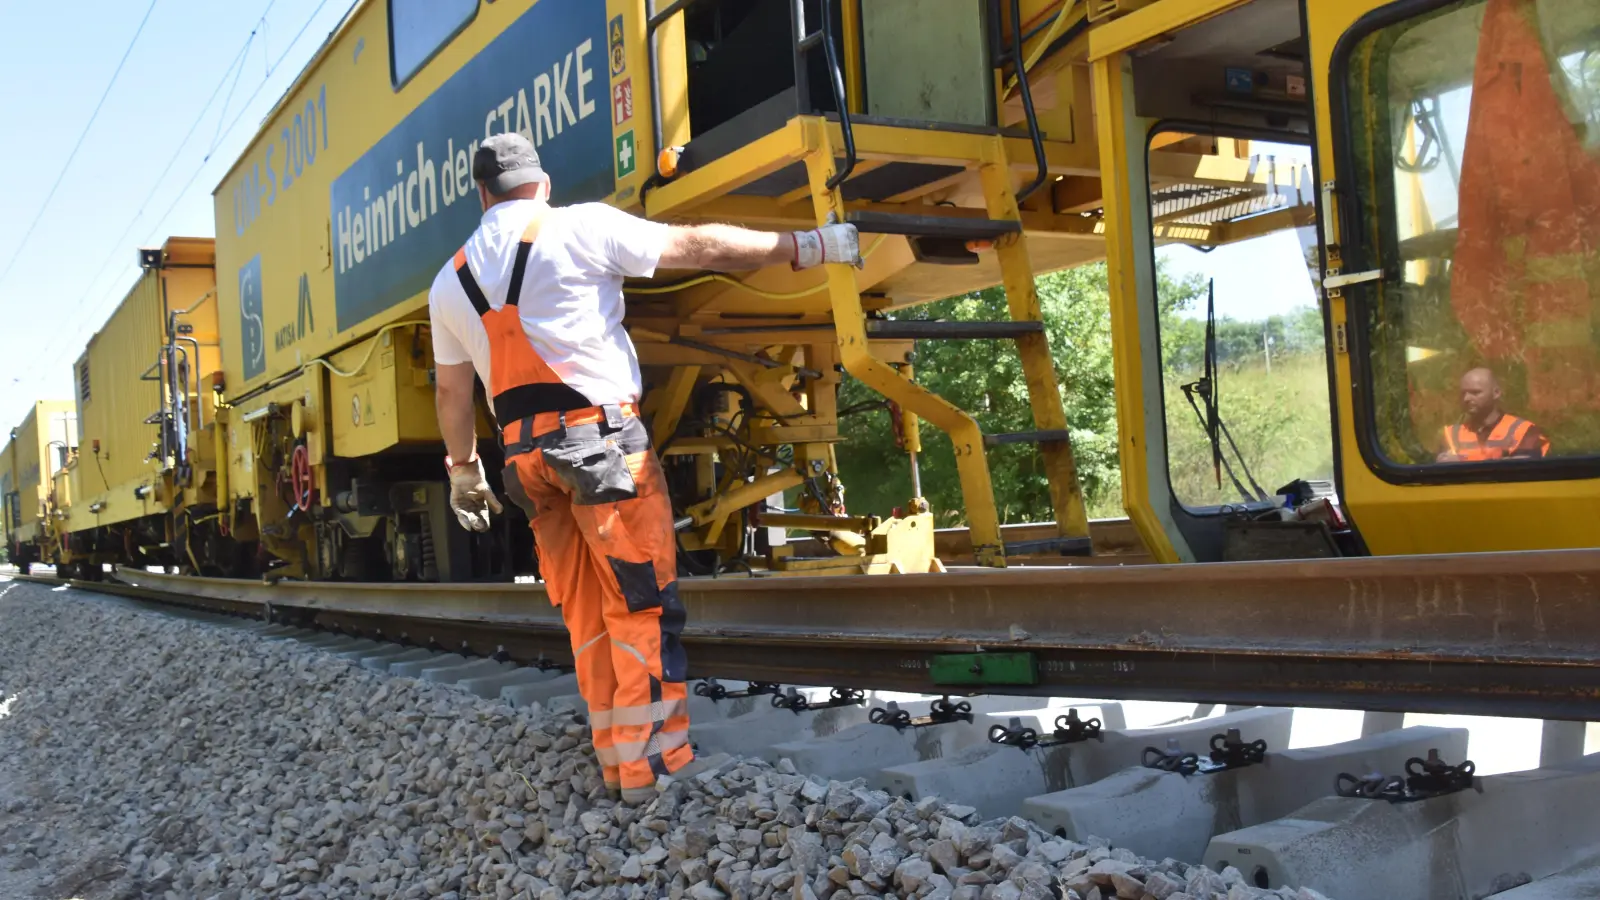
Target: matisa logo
252	331
305	319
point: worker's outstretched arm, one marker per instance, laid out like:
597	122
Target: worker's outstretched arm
725	248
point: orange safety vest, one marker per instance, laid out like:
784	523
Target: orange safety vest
1505	437
524	385
1525	279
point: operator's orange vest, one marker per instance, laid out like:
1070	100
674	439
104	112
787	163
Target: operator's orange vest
1502	439
1525	278
523	383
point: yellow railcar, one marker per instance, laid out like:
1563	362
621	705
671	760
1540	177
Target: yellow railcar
38	448
144	482
1137	127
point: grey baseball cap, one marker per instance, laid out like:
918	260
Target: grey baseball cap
506	161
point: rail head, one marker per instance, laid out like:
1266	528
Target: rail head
1533	607
1514	634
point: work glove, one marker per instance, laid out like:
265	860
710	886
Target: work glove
828	244
470	495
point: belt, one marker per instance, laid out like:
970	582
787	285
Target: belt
526	429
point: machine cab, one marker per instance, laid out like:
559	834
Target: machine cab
1425	191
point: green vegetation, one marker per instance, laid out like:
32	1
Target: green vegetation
1280	421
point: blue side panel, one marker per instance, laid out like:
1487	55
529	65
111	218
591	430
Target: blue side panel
402	209
252	331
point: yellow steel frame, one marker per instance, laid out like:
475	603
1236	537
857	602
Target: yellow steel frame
1151	22
1120	139
993	162
850	324
789	144
1044	394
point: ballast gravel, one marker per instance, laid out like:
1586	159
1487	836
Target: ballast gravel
152	756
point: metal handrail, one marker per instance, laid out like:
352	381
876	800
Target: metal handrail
841	101
1034	134
654	20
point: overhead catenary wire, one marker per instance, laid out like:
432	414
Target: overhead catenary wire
117	248
44	207
115	296
238	72
287	48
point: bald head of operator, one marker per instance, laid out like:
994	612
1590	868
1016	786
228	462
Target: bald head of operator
1485	431
532	306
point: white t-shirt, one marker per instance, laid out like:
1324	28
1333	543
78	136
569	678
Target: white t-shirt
571	302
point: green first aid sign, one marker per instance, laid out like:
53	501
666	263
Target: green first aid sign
627	157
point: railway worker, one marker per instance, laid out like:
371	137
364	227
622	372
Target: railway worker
532	305
1485	430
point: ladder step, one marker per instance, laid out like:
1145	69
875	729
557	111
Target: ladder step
959	227
922	329
1027	437
1064	546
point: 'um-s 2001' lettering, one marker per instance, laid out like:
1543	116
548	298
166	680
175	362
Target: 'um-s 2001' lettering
287	159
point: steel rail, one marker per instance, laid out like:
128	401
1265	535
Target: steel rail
1513	634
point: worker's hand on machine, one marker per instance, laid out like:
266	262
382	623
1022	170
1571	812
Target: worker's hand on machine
828	244
470	495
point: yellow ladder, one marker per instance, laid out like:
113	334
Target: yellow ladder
1004	228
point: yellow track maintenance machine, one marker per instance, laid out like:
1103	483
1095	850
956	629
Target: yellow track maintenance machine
975	143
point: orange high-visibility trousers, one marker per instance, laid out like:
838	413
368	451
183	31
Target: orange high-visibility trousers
602	522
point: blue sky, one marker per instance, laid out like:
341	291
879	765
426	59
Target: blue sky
55	60
1260	277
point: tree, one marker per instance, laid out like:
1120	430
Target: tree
985	379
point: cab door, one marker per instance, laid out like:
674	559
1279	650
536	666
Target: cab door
1456	153
1459	153
1209	210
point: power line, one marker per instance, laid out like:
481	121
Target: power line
43	207
287	47
243	51
113	296
156	185
229	130
117	246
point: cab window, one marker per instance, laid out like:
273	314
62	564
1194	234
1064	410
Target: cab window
1243	353
1474	134
418	29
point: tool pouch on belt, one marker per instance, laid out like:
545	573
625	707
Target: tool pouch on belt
597	471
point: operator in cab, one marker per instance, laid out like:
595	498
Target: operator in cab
532	306
1485	430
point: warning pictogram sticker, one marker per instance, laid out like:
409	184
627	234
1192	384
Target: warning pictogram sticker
622	101
619	54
